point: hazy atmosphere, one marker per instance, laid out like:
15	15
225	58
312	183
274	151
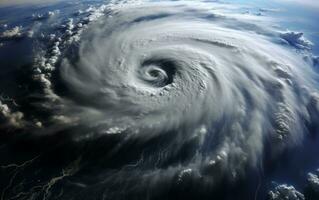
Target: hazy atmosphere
152	99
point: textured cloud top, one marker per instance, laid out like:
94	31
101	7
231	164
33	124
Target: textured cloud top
192	91
193	74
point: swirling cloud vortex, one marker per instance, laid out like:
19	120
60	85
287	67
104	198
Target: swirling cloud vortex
217	84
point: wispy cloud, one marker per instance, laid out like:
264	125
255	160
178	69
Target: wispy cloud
308	3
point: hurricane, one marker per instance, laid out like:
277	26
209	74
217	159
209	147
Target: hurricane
163	97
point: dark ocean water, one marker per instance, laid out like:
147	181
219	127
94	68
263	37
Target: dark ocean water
47	161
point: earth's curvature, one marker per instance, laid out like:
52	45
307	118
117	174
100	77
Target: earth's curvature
159	100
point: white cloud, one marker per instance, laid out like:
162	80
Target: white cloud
297	40
12	33
9	117
285	192
313	181
258	88
257	94
46	15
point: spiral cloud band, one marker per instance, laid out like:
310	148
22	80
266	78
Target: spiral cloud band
213	84
196	91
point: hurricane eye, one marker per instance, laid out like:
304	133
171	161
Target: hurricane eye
158	72
154	73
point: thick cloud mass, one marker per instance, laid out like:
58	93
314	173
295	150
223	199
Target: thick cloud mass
209	81
285	192
181	91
